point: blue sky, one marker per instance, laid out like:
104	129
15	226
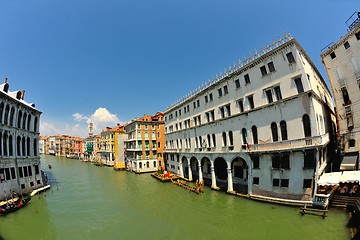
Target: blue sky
115	60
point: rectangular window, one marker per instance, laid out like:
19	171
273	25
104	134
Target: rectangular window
241	105
290	57
187	108
222	112
256	180
299	85
284	183
226	91
276	161
357	35
7	174
194	103
247	78
198	103
212	116
256	162
309	159
346	45
206	99
277	93
220	92
237	83
179	112
271	67
263	70
210	97
207	117
13	175
269	95
21	172
228	111
251	102
332	55
285	161
276	182
307	183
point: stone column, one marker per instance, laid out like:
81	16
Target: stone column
190	172
200	173
250	180
181	172
230	180
213	177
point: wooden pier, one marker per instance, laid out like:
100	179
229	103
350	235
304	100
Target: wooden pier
313	211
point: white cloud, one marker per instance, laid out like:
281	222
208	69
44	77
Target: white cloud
101	119
79	117
47	129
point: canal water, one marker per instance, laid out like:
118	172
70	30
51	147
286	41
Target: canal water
89	202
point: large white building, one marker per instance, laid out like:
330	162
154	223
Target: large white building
19	143
342	64
264	126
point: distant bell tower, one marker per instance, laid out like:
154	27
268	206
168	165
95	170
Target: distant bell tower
90	128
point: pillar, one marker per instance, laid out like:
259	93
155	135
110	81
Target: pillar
200	173
190	172
181	171
213	177
230	180
250	180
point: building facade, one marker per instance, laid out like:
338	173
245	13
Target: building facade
342	64
19	143
262	127
145	143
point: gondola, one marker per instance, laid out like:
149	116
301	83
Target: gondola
13	205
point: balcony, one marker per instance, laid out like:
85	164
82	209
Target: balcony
290	144
342	83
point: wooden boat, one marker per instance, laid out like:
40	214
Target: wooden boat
13	205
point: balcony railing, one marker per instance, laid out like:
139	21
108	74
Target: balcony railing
290	144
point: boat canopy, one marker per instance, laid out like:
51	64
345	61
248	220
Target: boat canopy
335	178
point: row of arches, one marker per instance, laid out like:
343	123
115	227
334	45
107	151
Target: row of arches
24	120
24	146
227	175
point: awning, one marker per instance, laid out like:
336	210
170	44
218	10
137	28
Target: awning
349	161
335	178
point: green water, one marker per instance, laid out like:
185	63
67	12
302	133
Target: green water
92	202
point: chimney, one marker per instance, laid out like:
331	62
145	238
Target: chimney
22	94
5	80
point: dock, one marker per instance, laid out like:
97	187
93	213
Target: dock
313	211
183	184
39	190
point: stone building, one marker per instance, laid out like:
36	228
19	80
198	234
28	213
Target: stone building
342	64
145	143
264	126
19	143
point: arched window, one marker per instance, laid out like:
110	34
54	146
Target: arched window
6	116
209	140
23	147
255	134
5	144
12	113
196	143
19	119
224	139
1	112
231	138
274	132
147	164
36	124
18	145
11	152
200	142
306	125
28	122
28	146
24	121
283	130
214	140
244	135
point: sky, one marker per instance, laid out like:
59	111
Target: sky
112	61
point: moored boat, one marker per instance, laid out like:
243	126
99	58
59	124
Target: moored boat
13	205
